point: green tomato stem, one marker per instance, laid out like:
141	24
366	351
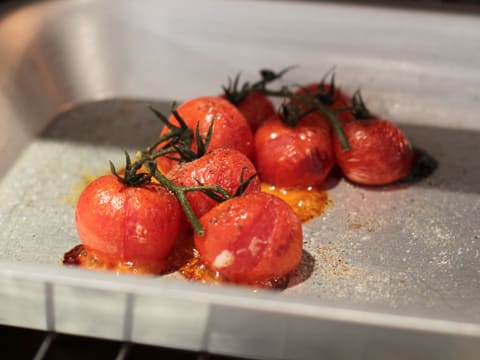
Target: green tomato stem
209	189
181	137
181	195
330	114
337	126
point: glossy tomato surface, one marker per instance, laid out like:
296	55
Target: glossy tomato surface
256	107
119	223
230	128
222	167
380	153
251	238
293	157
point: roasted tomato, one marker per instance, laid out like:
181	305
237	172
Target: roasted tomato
221	167
230	129
250	98
251	238
256	107
379	152
296	156
332	94
329	95
118	223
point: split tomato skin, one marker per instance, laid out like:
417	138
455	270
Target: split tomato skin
230	128
294	157
252	238
379	152
127	224
222	167
256	108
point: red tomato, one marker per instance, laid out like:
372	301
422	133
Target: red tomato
294	157
380	153
119	223
222	167
338	99
251	238
230	129
256	107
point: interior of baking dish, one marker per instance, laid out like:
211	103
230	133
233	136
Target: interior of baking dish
76	80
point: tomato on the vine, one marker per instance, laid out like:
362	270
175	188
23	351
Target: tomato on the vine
251	97
331	96
296	156
331	93
256	107
379	151
251	238
200	169
222	167
229	127
118	223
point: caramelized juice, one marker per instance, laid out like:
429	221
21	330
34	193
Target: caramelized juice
308	203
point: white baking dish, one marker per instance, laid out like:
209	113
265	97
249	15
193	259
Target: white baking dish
409	281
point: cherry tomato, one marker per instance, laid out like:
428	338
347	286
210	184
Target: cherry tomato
335	99
256	107
251	238
294	157
230	129
223	167
380	153
135	224
338	99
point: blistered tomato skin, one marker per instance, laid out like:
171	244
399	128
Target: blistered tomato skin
230	128
293	157
380	153
222	167
251	238
256	107
119	223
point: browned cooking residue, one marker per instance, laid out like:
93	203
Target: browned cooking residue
180	254
330	262
355	222
183	258
80	256
308	203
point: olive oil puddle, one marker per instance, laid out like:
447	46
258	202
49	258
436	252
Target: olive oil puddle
308	203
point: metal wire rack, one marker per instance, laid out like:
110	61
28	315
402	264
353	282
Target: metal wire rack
23	343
